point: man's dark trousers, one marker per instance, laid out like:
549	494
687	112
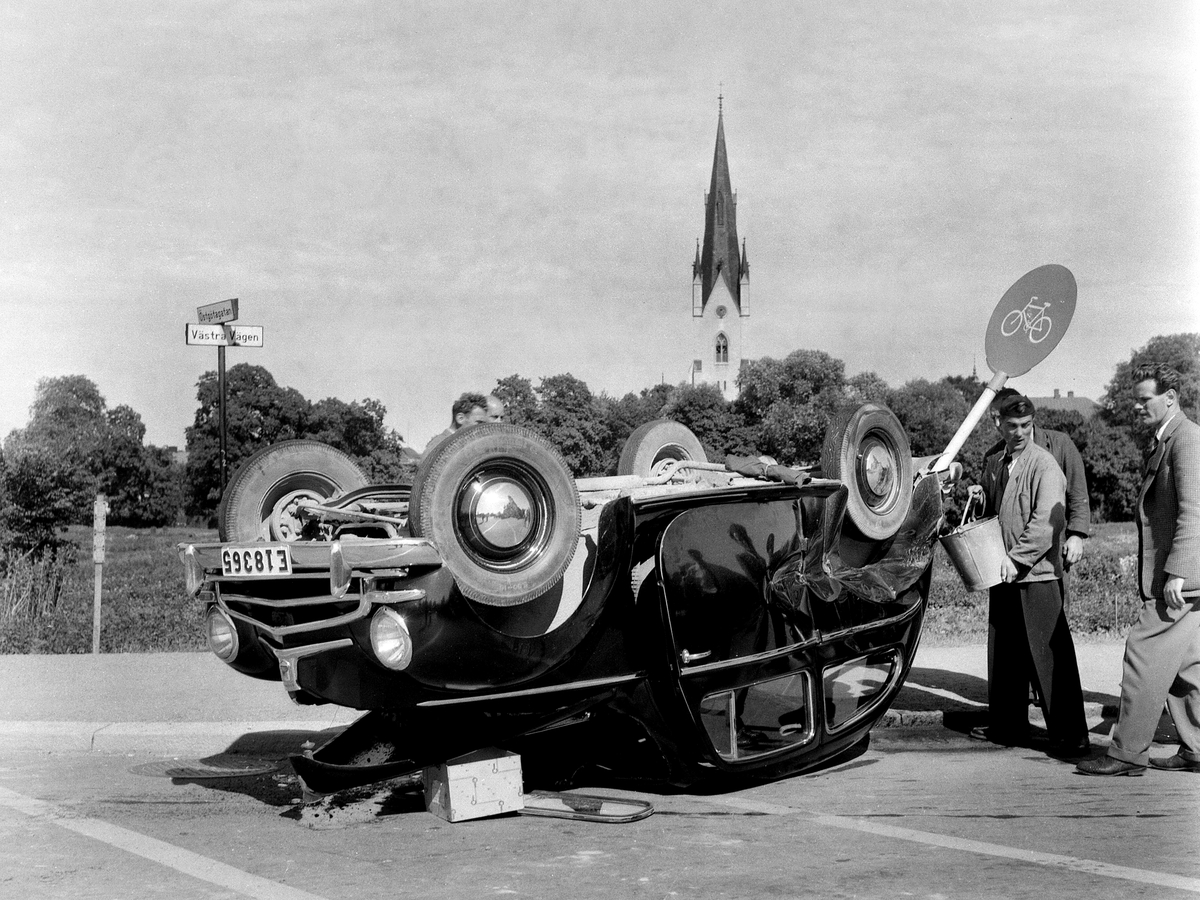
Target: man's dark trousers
1028	640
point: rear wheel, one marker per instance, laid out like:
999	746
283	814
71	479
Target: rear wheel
868	450
656	441
264	496
501	506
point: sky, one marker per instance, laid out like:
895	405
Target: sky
416	199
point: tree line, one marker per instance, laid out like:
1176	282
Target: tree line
74	446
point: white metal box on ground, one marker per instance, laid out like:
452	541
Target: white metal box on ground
484	783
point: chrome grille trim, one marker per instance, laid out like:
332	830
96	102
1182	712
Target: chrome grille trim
281	631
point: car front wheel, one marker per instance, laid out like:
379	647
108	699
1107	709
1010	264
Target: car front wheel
868	450
500	504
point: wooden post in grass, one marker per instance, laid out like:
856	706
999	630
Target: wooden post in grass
99	510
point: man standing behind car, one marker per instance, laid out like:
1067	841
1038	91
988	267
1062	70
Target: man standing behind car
1162	652
1066	454
1028	635
469	409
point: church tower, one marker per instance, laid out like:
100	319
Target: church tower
720	282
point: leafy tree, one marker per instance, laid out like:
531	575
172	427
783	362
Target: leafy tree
786	404
571	418
520	402
1068	421
793	434
704	410
94	449
968	385
867	387
67	410
931	412
40	500
358	429
261	412
1112	463
143	485
634	410
67	420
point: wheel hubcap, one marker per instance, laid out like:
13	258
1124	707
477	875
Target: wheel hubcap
877	473
502	513
502	518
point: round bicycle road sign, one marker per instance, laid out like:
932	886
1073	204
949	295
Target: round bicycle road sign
1030	319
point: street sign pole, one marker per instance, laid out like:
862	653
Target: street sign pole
221	408
214	328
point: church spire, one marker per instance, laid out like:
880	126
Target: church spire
719	257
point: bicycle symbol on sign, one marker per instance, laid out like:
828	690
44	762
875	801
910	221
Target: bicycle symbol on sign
1034	318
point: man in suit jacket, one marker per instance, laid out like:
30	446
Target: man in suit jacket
1028	635
1162	652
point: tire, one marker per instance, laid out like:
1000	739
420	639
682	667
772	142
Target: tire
501	550
661	439
868	450
259	501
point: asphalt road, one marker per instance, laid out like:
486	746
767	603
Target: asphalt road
921	813
89	807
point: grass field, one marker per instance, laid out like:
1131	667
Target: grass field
145	607
1102	593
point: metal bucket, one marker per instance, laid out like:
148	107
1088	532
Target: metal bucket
976	548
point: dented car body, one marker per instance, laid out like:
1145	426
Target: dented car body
723	623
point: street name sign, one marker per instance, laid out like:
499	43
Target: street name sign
216	313
224	335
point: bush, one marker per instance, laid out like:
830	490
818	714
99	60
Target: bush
30	587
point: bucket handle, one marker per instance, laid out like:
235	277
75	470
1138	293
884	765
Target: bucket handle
973	509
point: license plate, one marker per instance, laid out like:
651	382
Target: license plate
256	561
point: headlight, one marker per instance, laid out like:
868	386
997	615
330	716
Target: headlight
390	639
221	634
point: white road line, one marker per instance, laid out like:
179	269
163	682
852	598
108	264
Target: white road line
1087	866
947	695
157	851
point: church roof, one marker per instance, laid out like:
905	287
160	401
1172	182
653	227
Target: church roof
719	256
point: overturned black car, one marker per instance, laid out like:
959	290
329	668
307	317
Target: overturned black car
725	618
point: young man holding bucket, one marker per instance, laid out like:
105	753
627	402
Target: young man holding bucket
1066	454
1028	635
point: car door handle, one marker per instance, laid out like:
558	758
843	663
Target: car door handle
688	658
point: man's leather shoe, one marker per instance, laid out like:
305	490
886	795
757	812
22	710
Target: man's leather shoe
1175	763
1106	765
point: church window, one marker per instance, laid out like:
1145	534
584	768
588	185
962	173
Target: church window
722	348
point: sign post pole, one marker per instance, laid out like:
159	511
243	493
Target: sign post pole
221	408
214	329
99	511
